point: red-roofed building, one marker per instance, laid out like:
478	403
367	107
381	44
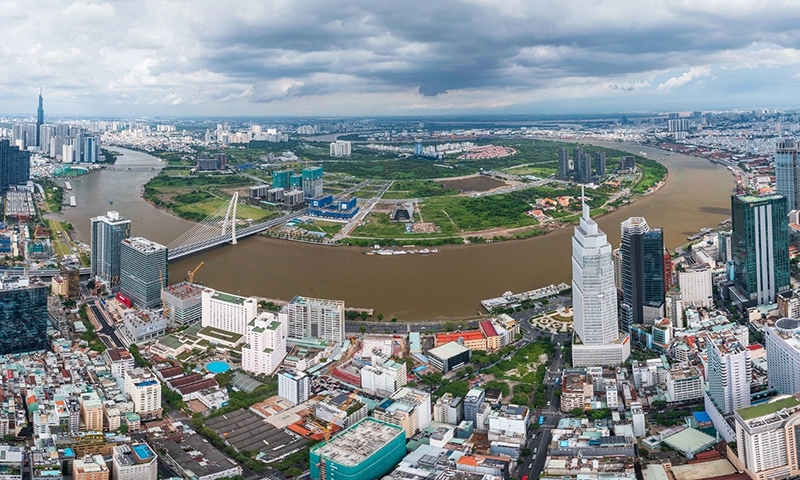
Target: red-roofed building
472	339
492	338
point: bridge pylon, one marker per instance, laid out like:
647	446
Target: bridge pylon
230	218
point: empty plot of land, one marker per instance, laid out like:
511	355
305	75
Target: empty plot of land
246	431
478	183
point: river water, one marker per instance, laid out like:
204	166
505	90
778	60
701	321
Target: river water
410	287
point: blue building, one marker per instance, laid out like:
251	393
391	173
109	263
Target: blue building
366	451
15	165
23	317
760	248
342	210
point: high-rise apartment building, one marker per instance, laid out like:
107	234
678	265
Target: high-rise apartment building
280	179
108	232
265	343
143	271
787	173
448	409
563	164
729	372
340	148
783	355
475	398
294	386
594	299
312	182
23	317
15	165
144	389
760	244
696	286
228	312
767	438
600	164
583	168
317	318
92	412
91	149
637	420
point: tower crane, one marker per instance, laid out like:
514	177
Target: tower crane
191	274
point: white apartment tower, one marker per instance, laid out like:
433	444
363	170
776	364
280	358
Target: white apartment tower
783	355
317	318
696	286
383	377
637	419
729	373
594	298
294	386
265	343
145	391
340	148
227	312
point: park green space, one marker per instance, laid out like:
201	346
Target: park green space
56	230
195	196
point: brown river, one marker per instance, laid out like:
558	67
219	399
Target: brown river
410	287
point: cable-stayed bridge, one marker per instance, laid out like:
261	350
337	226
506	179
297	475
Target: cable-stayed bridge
227	224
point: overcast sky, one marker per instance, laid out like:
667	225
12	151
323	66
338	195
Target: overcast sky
374	57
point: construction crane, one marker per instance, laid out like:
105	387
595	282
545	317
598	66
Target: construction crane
191	274
326	432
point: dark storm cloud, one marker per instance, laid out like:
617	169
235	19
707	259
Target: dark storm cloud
371	55
468	45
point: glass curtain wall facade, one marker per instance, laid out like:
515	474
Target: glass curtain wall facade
760	245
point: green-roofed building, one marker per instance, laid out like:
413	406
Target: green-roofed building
265	343
227	312
768	438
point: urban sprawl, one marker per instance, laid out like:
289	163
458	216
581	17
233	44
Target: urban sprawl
653	363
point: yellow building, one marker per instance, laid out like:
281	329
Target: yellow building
92	412
90	467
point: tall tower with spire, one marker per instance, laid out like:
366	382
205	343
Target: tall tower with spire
39	120
598	340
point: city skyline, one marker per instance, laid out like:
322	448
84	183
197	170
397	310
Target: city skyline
172	58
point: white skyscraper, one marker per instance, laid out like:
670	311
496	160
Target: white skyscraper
729	372
594	298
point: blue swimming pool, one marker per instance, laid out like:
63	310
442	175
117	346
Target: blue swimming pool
142	451
217	366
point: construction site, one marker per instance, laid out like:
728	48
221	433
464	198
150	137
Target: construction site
368	449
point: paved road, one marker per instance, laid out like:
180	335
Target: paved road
108	330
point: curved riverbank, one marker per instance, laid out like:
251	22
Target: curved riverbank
409	287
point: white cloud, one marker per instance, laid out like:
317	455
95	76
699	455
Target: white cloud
685	78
